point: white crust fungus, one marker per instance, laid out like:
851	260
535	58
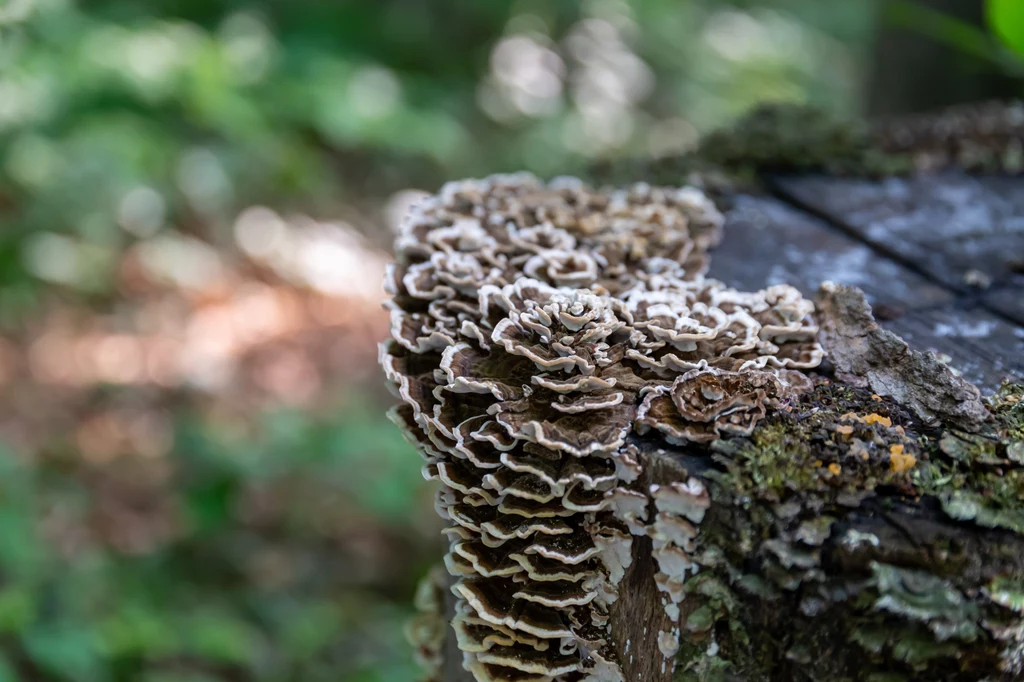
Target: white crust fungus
680	509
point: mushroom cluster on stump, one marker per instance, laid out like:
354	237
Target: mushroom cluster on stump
534	327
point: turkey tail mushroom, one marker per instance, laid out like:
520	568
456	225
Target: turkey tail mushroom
535	326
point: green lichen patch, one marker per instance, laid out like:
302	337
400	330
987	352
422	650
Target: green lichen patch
908	644
980	478
1008	406
842	520
701	667
917	648
967	505
840	444
797	138
927	599
1007	591
717	619
837	442
970	448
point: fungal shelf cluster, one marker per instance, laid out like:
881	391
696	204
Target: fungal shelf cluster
535	326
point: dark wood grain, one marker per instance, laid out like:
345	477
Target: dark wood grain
950	226
983	347
1008	301
770	242
940	257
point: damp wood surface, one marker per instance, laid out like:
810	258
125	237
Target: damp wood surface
940	257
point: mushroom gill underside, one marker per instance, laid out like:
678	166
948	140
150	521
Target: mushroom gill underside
534	327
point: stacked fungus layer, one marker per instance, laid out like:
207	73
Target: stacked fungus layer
534	327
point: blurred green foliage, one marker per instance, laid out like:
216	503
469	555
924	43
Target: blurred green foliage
254	582
1006	19
210	106
999	43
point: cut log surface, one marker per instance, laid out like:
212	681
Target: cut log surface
984	347
950	225
941	258
1009	302
769	241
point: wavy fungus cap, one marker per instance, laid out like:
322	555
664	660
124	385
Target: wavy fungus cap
534	328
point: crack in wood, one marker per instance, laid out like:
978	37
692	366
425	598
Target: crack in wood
964	296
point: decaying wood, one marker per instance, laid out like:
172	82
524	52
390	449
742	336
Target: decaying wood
821	560
863	354
964	231
869	528
637	619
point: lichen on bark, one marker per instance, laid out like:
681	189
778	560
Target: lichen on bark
849	540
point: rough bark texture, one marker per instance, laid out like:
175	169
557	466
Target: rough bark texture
873	531
827	555
863	354
637	620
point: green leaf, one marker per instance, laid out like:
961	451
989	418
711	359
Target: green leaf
185	676
1006	19
942	28
136	631
21	551
311	630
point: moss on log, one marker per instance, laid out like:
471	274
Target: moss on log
848	540
869	529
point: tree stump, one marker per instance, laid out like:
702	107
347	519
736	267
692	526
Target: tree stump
870	526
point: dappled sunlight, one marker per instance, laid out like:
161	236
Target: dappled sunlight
292	321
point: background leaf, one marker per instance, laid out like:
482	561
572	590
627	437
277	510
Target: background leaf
1006	18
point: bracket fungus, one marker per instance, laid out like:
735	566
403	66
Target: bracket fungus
534	328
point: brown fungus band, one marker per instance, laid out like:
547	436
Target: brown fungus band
534	327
